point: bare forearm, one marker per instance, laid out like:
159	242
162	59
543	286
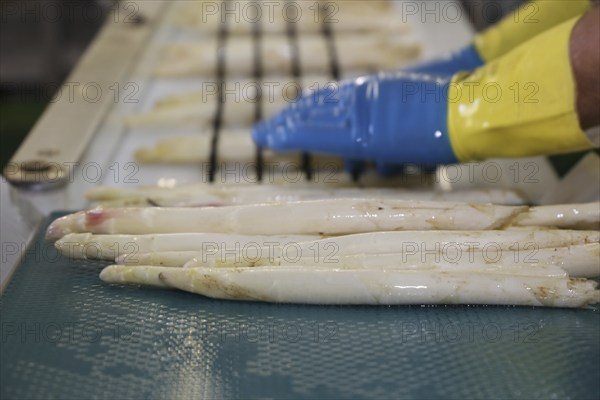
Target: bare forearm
585	60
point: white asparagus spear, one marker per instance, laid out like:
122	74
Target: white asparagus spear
148	275
194	149
272	89
578	266
235	114
198	107
579	216
344	16
166	199
366	286
355	52
235	146
190	114
318	217
109	247
211	248
579	261
199	194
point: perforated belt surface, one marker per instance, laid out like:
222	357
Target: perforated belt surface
66	334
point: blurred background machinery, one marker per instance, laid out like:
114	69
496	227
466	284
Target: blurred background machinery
41	40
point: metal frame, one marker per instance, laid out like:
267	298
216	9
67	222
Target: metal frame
63	132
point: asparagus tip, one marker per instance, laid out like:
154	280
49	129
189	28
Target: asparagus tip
57	229
107	274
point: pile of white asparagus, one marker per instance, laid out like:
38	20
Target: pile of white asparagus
327	248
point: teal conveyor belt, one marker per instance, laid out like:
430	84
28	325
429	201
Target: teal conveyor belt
65	334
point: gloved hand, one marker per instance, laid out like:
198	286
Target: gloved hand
465	59
390	117
529	20
526	22
408	117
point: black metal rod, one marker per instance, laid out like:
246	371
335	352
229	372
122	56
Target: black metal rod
292	34
220	81
334	65
258	75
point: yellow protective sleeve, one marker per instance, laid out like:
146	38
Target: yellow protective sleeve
527	21
522	104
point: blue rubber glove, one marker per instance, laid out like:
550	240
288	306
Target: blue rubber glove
466	59
391	118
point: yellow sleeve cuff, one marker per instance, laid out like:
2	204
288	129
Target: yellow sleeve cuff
521	104
526	22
